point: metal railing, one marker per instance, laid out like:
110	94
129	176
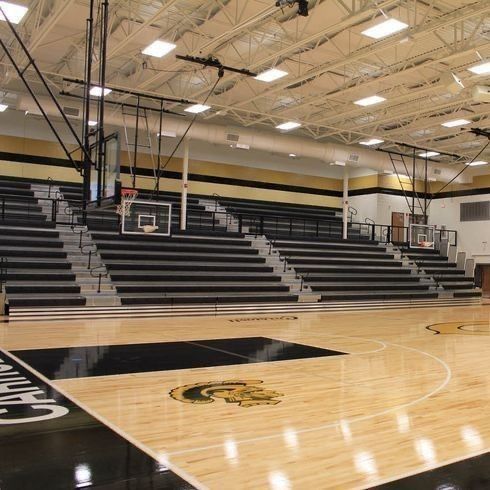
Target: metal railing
15	208
100	272
4	266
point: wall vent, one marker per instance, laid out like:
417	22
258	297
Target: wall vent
474	211
353	157
232	137
71	111
437	171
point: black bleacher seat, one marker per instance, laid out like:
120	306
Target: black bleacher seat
444	272
188	268
38	273
349	270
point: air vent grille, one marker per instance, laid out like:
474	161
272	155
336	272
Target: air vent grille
232	137
437	171
474	211
353	157
71	111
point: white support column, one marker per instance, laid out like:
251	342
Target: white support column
185	185
345	204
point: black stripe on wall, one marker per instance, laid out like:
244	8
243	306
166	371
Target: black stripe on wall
59	162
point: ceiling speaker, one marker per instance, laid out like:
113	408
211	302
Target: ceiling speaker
452	83
481	93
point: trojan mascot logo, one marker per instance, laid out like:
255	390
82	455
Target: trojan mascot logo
461	328
245	393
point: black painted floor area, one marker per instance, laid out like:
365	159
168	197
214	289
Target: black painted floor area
69	450
469	474
79	362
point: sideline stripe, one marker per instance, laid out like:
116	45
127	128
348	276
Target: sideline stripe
77	449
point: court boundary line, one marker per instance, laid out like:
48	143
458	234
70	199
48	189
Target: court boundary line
165	460
426	469
192	480
433	392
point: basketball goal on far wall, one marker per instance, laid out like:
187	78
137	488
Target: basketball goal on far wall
422	236
139	217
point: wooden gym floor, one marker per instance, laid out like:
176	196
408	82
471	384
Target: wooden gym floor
310	401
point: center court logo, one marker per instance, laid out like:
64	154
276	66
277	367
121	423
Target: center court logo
243	392
460	328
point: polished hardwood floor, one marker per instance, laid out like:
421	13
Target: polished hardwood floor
329	400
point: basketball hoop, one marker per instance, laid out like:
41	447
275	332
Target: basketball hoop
127	198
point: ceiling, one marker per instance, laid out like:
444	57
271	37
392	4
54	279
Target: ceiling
330	64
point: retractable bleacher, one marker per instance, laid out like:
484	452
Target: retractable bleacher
38	272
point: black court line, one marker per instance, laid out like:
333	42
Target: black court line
49	442
468	474
80	362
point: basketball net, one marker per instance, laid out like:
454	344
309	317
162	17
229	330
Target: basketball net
127	198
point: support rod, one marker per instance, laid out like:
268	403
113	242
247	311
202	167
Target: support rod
87	163
185	185
345	203
101	113
46	87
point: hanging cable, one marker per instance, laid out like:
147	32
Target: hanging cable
156	188
468	165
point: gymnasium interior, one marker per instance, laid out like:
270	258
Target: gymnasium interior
244	244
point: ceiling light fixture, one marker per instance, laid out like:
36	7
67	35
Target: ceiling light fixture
428	154
455	122
3	107
287	126
385	28
373	99
197	108
159	49
372	141
168	134
477	163
293	155
271	75
481	68
97	91
92	123
15	13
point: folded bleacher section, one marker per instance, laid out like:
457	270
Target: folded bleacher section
283	219
350	270
211	263
38	272
445	273
188	268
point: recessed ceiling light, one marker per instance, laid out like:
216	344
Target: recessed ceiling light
374	99
3	107
14	13
92	123
477	163
168	134
372	141
97	91
385	28
159	49
456	122
287	126
481	68
429	154
271	75
197	108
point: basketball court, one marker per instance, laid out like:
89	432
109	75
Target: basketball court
244	244
335	400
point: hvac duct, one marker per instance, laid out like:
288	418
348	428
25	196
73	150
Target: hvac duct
272	142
